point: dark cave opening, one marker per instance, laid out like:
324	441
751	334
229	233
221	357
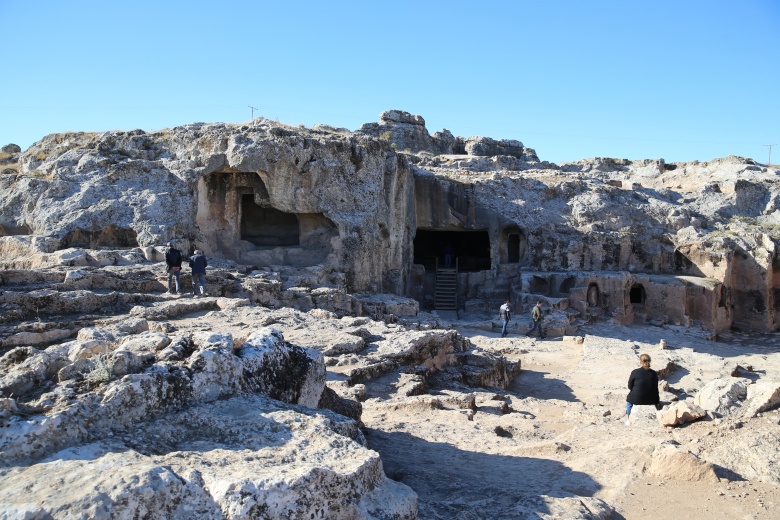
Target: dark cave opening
268	227
470	249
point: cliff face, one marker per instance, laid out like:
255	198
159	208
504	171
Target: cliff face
259	194
374	210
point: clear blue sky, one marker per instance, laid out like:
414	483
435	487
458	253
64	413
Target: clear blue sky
680	80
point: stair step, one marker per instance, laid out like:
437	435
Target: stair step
445	294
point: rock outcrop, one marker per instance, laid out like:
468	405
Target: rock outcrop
203	407
372	210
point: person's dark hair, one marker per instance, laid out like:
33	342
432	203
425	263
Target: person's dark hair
539	302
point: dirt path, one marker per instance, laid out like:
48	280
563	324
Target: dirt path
565	440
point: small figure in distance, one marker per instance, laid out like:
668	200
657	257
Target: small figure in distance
643	386
173	264
536	318
447	255
198	265
505	315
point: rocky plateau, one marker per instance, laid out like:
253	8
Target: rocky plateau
340	367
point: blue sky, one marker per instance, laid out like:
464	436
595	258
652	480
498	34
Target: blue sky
678	80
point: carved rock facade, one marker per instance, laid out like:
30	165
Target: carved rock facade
376	209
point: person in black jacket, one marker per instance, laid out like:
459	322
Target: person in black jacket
173	263
198	265
643	386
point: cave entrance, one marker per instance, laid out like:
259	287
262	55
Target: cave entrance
539	285
567	285
268	227
239	220
637	294
513	248
512	245
594	298
470	249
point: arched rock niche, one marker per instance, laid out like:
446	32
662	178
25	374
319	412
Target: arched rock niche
108	237
512	245
238	220
7	230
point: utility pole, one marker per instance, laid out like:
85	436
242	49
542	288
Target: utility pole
769	161
253	111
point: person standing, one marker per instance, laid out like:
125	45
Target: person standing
173	264
536	318
505	315
198	265
643	386
447	255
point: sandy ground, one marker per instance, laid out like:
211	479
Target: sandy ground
565	436
558	432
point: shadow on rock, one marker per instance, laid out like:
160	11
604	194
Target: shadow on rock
530	383
455	483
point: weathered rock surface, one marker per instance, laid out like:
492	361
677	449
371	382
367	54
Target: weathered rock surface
687	243
169	395
670	462
723	396
680	413
750	454
244	457
209	369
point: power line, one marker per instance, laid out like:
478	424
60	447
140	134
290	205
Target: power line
769	161
253	111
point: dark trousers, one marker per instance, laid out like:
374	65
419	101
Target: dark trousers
536	325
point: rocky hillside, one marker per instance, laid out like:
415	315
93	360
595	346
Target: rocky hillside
370	210
322	376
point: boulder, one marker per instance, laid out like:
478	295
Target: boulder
128	362
680	412
399	116
26	368
670	462
95	333
283	371
83	349
332	401
723	396
145	342
761	396
216	370
485	146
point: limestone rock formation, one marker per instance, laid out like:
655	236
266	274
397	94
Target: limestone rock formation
372	211
670	462
244	457
339	263
144	432
680	413
723	396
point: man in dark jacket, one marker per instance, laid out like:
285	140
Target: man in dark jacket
173	263
536	317
198	265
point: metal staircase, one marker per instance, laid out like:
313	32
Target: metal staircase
445	296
